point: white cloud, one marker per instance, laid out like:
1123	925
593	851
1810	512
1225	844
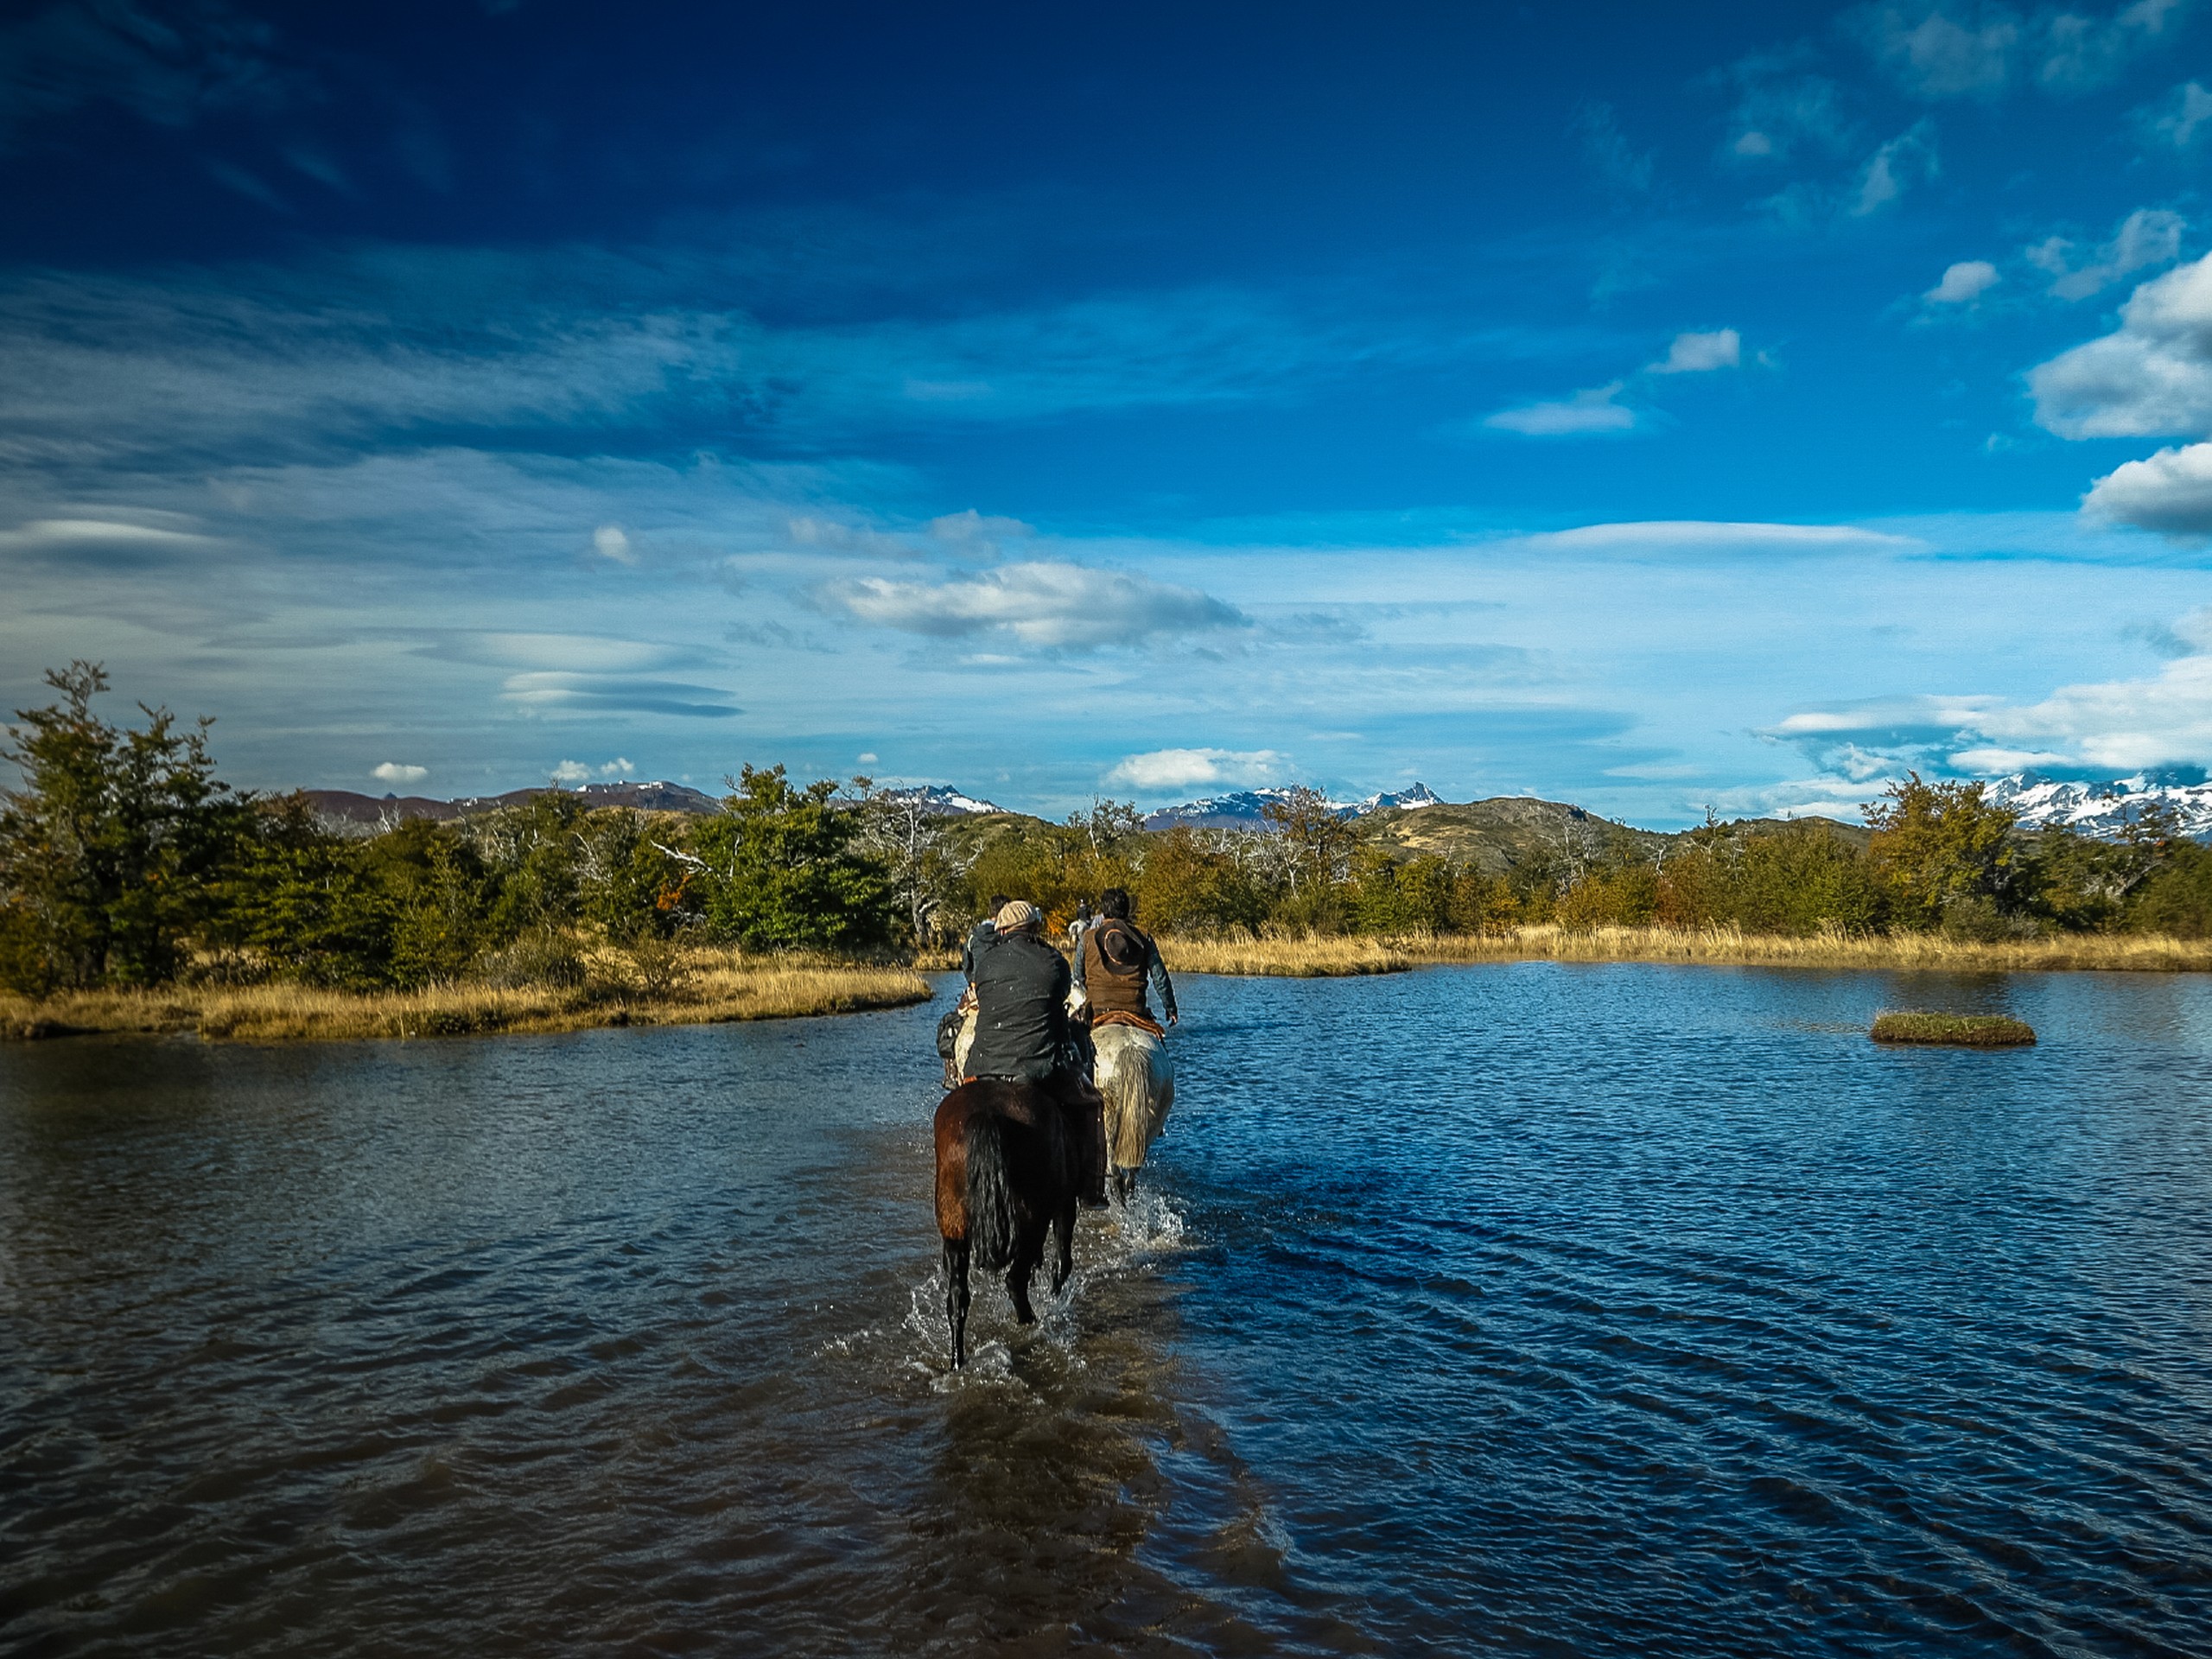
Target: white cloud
70	535
608	694
1779	110
867	758
612	544
1931	55
2151	377
1038	603
1966	50
2169	491
1594	411
1672	536
1174	769
580	653
1963	282
571	772
976	532
391	772
829	535
2081	54
2113	725
1906	160
618	768
2175	120
2147	236
1700	354
1623	167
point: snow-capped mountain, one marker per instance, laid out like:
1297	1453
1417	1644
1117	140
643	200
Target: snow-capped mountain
2105	810
1405	800
1247	808
943	801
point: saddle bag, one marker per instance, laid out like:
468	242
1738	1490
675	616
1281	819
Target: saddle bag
948	1032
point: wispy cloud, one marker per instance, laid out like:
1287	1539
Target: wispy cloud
1780	111
2104	727
1586	412
1676	537
2176	120
1037	603
1959	49
1701	353
1904	161
171	73
2146	238
1620	167
555	694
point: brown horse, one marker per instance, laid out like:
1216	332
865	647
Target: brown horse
1007	1173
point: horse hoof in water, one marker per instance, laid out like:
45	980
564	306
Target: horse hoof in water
1125	1184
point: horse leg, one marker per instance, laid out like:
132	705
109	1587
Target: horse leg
956	1297
1028	1251
1125	1184
1064	1242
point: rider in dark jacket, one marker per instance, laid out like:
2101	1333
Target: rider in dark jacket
1022	1031
981	937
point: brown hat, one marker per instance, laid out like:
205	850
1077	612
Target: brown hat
1014	915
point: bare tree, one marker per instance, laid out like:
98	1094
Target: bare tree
898	828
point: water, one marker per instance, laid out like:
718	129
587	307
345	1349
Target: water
1525	1309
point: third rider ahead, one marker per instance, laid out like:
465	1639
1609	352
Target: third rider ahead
1113	960
1022	1031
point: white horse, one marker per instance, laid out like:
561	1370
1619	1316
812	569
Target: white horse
1136	1076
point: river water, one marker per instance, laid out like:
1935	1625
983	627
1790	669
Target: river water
1518	1309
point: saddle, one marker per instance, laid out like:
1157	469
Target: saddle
1116	1017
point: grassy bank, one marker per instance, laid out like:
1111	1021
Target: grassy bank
1330	955
706	987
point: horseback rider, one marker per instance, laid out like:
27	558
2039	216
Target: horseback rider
1022	1034
981	937
1115	960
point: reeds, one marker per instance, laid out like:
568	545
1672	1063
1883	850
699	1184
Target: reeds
1315	955
1953	1030
708	986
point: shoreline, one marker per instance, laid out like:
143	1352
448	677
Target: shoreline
727	992
1344	955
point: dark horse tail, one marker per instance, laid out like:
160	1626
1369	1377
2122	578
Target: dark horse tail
990	1194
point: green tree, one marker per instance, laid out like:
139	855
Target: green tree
1192	885
111	850
441	897
305	902
1943	854
782	868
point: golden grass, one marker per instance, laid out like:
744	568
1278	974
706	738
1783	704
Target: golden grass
712	985
1324	955
1954	1030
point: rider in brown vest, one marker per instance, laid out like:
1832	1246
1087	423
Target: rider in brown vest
1114	961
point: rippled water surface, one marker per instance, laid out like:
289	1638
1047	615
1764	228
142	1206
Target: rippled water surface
1508	1309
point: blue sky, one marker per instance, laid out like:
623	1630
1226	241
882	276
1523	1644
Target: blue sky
1658	408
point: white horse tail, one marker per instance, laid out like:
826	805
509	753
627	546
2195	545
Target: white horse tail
1136	1076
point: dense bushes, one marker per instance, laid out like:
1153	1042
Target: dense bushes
122	860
